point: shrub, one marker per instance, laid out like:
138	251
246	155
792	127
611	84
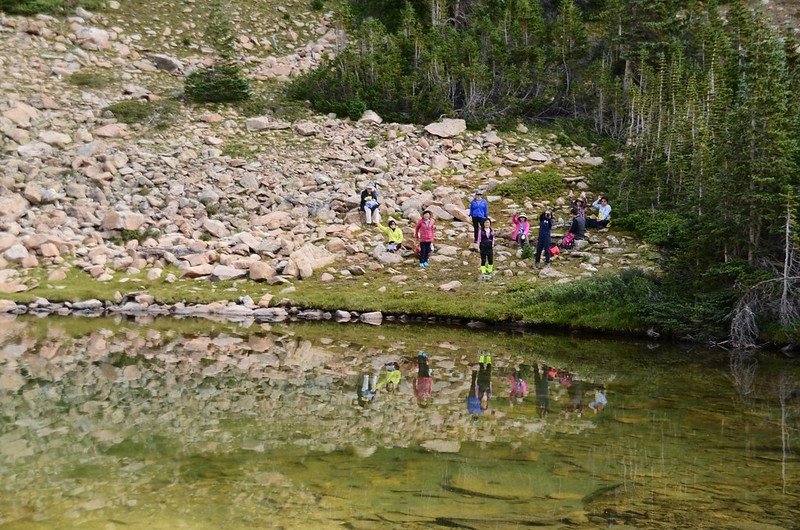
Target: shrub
89	79
317	5
537	186
428	185
527	252
158	114
222	83
662	228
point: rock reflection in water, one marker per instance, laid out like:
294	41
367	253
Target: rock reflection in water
180	423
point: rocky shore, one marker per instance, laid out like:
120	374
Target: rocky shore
220	195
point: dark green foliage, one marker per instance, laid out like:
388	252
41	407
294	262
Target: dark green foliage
317	5
527	252
159	114
542	185
57	7
223	83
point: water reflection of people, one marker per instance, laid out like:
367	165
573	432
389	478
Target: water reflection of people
423	382
541	377
390	377
480	389
367	391
519	387
600	401
575	392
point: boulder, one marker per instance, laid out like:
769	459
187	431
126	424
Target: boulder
450	286
22	115
167	63
387	258
198	271
93	38
442	446
35	150
447	128
305	128
87	305
273	220
7	306
536	156
310	257
226	272
112	130
55	138
370	116
457	212
215	228
270	314
260	271
373	318
16	253
13	206
590	160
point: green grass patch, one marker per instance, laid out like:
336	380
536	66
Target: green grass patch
160	114
238	149
547	184
56	7
91	79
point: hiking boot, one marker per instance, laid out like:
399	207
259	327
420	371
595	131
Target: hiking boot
482	359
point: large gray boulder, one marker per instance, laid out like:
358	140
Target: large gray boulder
447	128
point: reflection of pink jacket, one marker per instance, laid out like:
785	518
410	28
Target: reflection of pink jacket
519	388
526	226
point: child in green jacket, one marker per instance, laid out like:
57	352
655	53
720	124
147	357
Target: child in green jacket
394	235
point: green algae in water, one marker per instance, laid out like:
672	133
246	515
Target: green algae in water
111	423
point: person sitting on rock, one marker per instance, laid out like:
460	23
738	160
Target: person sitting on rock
603	215
478	210
369	204
425	233
390	377
578	227
394	235
521	229
486	247
423	382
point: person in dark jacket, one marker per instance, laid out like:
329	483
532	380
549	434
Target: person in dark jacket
543	244
478	210
578	227
369	205
486	246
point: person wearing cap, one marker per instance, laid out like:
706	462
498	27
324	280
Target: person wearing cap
543	243
521	229
478	210
425	233
369	204
603	213
394	235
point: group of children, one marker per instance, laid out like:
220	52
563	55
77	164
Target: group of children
484	235
480	389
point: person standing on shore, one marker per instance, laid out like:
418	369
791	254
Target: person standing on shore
486	246
479	211
543	244
425	234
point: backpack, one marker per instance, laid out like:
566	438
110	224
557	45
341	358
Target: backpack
568	241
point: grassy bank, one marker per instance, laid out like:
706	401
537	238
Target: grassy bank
571	306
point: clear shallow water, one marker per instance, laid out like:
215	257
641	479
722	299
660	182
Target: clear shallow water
194	424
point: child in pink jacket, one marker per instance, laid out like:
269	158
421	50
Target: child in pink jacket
521	229
424	233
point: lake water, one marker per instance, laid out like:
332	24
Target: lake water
195	424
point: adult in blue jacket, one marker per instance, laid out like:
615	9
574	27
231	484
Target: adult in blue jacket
479	211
